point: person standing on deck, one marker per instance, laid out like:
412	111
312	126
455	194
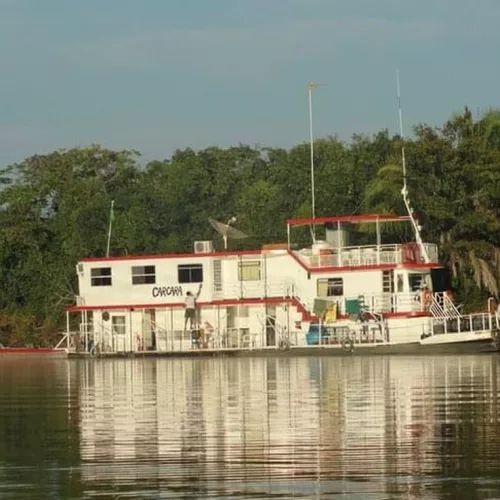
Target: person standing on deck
190	309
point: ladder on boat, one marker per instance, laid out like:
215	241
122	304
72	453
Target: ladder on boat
443	308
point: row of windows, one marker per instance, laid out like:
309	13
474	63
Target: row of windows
146	275
193	273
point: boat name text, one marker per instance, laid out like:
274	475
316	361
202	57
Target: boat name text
165	291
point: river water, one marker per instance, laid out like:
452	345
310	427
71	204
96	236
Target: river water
351	427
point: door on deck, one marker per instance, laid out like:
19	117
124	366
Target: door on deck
388	290
119	330
270	325
148	330
400	298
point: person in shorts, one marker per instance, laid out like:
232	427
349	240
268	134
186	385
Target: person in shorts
190	309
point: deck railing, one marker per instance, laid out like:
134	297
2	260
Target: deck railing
377	303
367	255
469	323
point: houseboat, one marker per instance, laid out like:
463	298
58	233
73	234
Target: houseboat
349	291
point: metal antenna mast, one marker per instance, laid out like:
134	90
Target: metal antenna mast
404	191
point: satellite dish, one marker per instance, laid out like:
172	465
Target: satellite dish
226	231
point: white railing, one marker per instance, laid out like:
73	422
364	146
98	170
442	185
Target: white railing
376	303
469	323
443	307
367	255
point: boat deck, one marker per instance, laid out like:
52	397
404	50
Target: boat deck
481	344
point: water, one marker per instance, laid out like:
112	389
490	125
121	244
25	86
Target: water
350	428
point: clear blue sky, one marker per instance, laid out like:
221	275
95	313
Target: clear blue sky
158	75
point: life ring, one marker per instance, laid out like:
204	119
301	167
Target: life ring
96	350
348	344
284	344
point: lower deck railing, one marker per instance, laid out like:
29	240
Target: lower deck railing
470	323
95	339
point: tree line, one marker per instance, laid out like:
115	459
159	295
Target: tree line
55	208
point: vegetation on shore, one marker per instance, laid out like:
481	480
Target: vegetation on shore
55	207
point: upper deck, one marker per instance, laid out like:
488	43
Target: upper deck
336	250
408	254
271	271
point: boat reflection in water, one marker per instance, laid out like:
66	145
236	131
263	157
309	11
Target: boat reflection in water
377	426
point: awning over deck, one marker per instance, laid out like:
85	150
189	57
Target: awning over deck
351	219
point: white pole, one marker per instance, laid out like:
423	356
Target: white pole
110	226
311	86
404	191
401	133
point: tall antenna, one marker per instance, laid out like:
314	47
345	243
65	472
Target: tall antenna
310	87
404	191
401	133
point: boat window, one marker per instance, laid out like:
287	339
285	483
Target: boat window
143	275
190	273
100	276
330	287
249	270
416	281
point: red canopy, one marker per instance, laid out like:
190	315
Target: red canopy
356	219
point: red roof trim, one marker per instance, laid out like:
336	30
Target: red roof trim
298	260
235	253
373	267
348	218
221	302
306	315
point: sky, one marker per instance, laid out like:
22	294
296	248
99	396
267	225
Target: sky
161	75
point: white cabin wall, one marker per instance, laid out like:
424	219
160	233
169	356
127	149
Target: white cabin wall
276	271
123	292
362	283
229	268
355	282
282	267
